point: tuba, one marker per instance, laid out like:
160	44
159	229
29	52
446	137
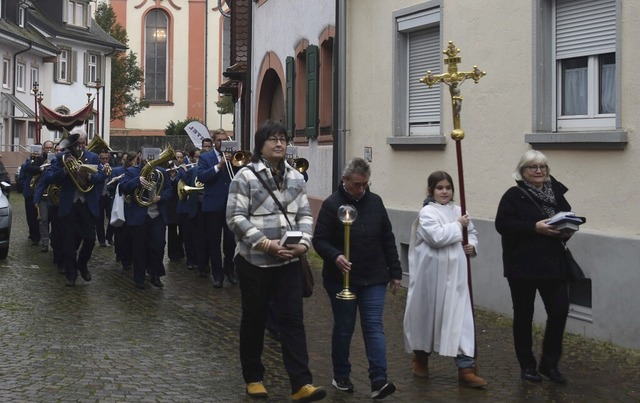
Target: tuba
98	144
78	172
144	195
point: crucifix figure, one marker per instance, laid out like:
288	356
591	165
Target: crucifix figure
453	79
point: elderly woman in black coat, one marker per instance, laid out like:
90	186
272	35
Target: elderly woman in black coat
534	260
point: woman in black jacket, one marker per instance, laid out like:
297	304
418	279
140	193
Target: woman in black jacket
534	260
373	263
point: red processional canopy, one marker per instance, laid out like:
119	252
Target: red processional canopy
56	121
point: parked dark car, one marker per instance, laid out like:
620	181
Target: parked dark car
5	220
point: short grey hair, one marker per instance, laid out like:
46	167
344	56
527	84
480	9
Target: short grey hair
356	166
528	158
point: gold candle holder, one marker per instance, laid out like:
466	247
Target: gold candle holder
347	214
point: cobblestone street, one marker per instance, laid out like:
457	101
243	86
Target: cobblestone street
107	341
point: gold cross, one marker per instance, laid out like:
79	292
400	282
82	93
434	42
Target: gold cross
453	79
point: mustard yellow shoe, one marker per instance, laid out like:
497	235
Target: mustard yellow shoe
257	390
308	393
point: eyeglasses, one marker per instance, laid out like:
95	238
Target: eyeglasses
277	140
534	168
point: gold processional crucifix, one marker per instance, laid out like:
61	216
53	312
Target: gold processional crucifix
454	79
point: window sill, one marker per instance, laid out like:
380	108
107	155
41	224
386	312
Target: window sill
606	140
417	142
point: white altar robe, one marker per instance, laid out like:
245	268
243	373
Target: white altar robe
438	315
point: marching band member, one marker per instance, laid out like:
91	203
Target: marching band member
27	170
175	241
213	173
121	235
147	224
37	169
104	203
188	213
78	207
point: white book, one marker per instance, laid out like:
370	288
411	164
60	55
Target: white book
566	221
291	237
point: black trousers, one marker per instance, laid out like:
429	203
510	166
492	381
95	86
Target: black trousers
219	234
122	244
78	238
175	243
555	296
282	285
187	229
55	235
104	209
147	242
32	219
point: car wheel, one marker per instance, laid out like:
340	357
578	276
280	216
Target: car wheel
4	252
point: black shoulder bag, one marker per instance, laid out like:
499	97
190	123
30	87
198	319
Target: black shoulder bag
574	271
307	274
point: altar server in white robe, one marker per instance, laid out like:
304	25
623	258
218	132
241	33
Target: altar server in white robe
438	315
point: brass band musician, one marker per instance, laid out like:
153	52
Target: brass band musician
37	169
78	173
146	218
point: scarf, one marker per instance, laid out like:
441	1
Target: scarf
277	173
544	197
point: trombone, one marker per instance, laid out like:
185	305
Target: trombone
239	159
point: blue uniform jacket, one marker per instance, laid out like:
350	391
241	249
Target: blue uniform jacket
67	190
136	214
216	184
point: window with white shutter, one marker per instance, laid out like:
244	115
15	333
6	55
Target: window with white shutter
585	36
417	49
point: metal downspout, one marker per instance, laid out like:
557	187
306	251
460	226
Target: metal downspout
339	142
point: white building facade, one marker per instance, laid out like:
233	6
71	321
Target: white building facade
574	97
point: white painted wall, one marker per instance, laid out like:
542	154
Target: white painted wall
496	112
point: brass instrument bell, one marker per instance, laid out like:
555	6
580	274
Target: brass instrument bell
98	144
183	189
240	158
300	164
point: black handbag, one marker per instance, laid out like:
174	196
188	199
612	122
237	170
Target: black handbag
574	271
307	274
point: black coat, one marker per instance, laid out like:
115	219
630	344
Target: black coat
373	252
525	253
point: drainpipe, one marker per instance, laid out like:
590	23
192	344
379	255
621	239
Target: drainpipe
339	109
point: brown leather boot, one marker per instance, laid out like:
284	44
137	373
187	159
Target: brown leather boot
468	378
420	365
